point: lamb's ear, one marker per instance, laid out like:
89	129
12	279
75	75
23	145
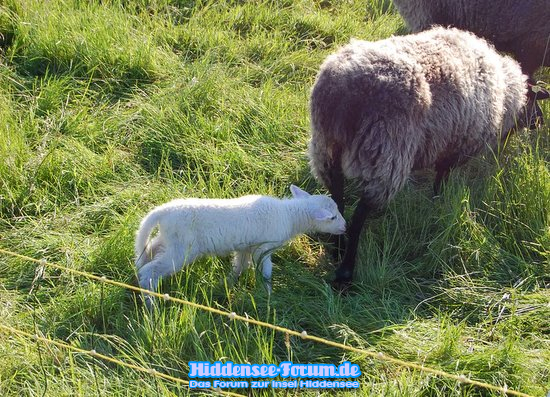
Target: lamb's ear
321	214
297	192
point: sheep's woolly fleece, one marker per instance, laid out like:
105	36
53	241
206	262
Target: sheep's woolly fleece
382	109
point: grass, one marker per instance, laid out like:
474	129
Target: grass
108	108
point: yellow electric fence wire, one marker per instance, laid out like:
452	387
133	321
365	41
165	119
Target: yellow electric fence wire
233	316
93	353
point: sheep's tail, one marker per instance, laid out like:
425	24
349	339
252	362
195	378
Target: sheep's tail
142	247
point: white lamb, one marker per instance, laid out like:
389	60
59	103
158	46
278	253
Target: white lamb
252	226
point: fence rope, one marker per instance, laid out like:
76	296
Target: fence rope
93	353
304	335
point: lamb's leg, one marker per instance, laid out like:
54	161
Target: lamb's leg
169	262
267	268
240	262
263	258
151	250
344	273
156	247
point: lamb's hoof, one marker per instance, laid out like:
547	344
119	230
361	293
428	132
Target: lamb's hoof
230	281
149	302
135	282
268	286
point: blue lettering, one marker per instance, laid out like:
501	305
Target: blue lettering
273	371
285	367
199	384
198	369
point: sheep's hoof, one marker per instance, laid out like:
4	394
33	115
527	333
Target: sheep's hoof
342	287
342	281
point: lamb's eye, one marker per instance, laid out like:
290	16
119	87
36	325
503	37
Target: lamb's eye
333	218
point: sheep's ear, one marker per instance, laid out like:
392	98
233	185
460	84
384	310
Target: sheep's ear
543	94
537	92
321	214
298	193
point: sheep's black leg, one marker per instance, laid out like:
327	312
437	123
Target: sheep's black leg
536	118
335	186
344	273
441	176
443	168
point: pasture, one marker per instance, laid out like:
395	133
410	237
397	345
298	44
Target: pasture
108	108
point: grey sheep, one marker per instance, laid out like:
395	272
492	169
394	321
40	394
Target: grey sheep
380	110
519	27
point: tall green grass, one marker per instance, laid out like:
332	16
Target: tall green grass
108	108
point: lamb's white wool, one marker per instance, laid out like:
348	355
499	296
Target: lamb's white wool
251	226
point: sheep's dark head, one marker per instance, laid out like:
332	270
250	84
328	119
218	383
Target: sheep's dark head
530	115
533	113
